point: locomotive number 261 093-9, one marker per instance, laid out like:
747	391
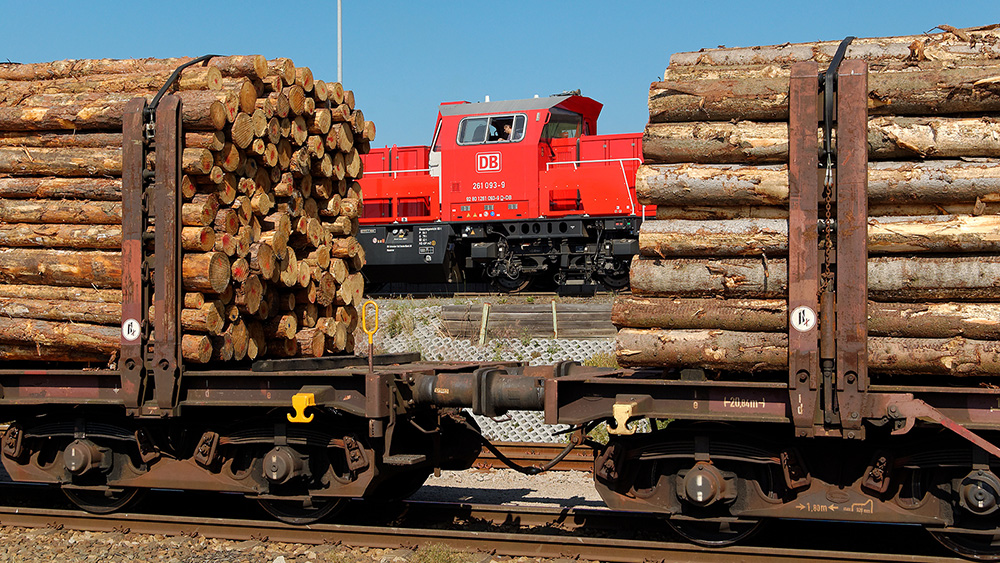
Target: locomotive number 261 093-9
488	185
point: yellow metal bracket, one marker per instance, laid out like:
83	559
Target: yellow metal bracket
299	402
622	412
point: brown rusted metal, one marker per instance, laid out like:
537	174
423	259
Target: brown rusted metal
534	453
132	362
803	259
852	244
167	278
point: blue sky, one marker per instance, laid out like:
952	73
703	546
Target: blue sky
403	58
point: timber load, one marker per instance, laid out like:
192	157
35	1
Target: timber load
710	286
269	264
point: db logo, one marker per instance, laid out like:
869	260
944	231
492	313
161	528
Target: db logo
488	162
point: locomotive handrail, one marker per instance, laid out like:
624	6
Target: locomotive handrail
620	160
395	172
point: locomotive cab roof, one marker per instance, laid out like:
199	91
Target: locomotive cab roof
589	108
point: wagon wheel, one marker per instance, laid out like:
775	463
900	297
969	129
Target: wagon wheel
616	281
515	284
103	501
715	532
302	511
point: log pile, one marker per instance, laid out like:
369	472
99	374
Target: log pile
709	288
270	262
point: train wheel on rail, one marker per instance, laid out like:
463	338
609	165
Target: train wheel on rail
976	504
302	511
105	500
713	532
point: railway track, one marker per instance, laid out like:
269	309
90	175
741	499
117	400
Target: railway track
531	453
500	530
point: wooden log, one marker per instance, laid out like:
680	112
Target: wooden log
61	161
890	278
284	68
75	68
282	327
60	212
36	353
207	272
95	268
60	236
915	92
980	321
751	142
108	313
203	111
754	352
86	337
63	140
312	342
886	235
100	189
254	66
940	182
948	45
49	292
191	78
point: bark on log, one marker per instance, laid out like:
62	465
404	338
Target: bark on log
61	161
752	237
101	237
61	211
48	292
751	142
901	183
939	91
73	68
61	310
980	321
756	352
890	278
968	44
102	189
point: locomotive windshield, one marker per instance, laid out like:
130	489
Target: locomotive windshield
492	129
562	124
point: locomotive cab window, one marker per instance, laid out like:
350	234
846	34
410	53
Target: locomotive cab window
493	129
562	124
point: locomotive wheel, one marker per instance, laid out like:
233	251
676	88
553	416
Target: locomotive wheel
105	501
513	285
295	511
715	533
616	281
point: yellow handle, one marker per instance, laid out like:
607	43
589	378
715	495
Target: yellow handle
364	320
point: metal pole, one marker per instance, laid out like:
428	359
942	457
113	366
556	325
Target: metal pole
340	41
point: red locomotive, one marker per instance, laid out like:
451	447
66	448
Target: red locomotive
510	191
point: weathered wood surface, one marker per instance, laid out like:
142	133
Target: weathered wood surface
755	142
899	183
955	234
768	351
529	321
938	91
890	278
979	321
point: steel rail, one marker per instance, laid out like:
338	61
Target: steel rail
524	544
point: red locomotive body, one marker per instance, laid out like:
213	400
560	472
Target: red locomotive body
511	191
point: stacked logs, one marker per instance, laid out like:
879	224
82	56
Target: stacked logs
270	262
710	284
